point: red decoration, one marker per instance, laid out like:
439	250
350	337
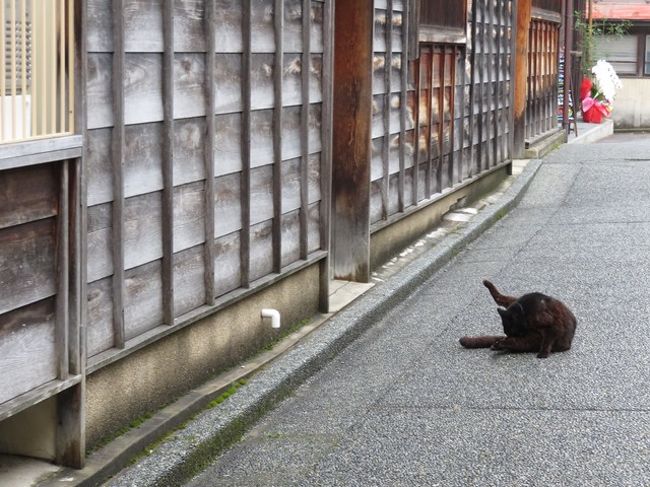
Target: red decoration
585	88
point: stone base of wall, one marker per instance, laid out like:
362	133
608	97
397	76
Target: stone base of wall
156	375
385	243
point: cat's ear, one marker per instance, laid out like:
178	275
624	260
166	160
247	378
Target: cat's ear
502	312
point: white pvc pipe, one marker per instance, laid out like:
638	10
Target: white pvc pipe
274	314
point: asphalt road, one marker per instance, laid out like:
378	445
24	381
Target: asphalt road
406	405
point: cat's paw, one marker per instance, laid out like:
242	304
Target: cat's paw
543	355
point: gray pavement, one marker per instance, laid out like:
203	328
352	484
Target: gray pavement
406	405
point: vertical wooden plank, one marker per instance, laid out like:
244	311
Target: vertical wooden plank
481	88
12	30
118	172
556	64
452	116
504	119
278	24
520	68
62	37
463	75
403	106
351	150
208	155
246	145
441	119
3	61
326	156
71	65
472	90
304	127
388	63
168	164
63	278
23	51
498	105
568	61
491	87
416	118
511	94
429	167
43	63
70	443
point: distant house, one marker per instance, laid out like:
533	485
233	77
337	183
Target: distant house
629	54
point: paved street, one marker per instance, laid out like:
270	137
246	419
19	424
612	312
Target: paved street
406	405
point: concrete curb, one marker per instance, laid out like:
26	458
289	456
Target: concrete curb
594	134
189	450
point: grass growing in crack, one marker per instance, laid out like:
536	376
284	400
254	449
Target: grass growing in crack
133	424
225	395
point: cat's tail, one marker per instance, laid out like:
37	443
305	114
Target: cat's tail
499	298
479	341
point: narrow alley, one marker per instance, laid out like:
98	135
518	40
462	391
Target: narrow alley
407	405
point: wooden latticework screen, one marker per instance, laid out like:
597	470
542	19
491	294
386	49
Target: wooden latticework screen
457	114
491	58
204	159
542	86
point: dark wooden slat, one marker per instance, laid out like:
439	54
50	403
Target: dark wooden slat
480	68
511	109
304	127
490	97
62	276
441	119
472	92
416	119
498	105
452	117
326	155
429	167
208	155
118	172
278	11
245	239
506	118
463	75
168	164
403	106
74	334
388	61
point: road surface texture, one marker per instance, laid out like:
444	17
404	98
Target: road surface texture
406	405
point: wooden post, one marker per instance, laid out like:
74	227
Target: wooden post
351	140
521	73
568	46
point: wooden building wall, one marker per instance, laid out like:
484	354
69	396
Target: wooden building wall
204	156
456	120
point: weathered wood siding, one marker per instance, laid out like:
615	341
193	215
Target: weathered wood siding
542	86
34	267
491	53
456	121
204	154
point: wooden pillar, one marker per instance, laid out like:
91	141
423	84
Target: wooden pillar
568	63
351	154
521	74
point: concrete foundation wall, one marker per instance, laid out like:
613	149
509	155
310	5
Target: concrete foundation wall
385	243
632	105
156	375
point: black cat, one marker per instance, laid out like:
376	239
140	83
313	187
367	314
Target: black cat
534	322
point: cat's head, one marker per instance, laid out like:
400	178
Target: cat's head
514	321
